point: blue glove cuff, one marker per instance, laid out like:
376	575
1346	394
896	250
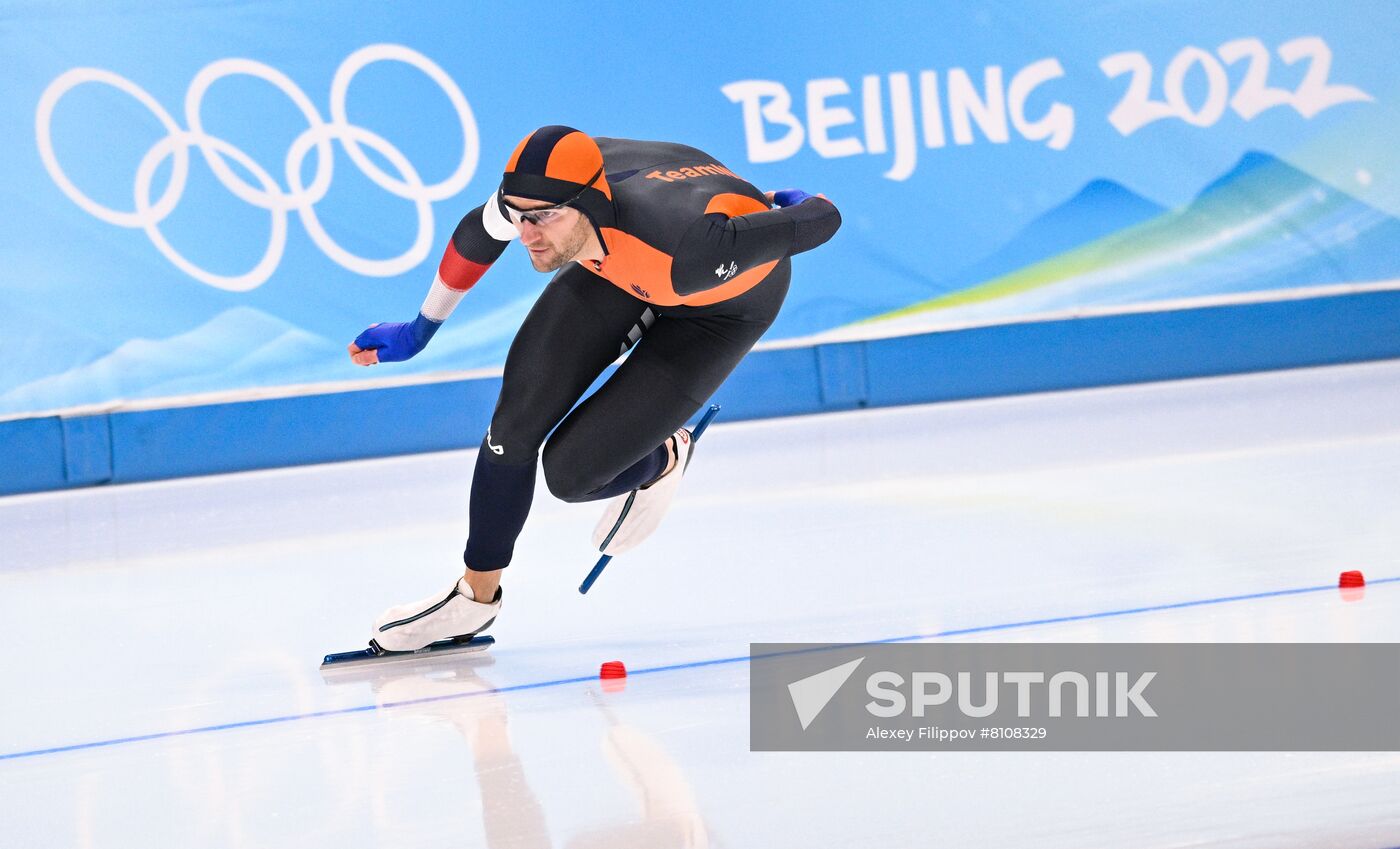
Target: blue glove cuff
422	330
790	197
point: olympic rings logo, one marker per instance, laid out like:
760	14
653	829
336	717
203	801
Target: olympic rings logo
269	194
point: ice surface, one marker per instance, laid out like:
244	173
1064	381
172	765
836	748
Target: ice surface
162	612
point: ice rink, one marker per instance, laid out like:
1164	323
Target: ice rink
162	684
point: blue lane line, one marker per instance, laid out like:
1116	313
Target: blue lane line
954	632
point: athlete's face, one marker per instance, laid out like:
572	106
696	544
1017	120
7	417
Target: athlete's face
551	244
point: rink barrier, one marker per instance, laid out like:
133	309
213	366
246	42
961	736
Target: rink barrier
65	451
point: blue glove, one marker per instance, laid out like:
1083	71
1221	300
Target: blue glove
790	197
398	342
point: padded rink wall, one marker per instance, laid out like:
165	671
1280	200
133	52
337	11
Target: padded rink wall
1035	197
777	380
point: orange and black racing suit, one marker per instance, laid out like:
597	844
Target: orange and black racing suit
696	269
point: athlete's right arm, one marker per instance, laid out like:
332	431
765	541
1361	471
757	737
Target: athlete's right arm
477	242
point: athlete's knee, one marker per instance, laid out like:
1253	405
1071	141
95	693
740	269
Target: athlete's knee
513	438
568	472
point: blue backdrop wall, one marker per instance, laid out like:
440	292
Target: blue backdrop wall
213	198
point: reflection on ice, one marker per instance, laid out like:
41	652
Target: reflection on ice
454	691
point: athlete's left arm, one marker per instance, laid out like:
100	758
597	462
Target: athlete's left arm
717	247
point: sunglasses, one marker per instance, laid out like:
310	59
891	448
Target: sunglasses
545	215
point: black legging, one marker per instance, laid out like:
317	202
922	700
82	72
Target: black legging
614	441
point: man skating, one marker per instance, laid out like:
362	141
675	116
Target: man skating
656	245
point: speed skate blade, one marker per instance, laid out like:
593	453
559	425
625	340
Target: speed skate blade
607	558
442	648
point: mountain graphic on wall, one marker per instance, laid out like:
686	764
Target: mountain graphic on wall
1098	209
244	348
1263	225
1101	208
239	347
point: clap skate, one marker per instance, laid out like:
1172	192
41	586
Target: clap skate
629	519
447	622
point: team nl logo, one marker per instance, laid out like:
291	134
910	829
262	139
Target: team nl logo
276	197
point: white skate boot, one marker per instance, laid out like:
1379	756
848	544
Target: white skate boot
452	614
629	519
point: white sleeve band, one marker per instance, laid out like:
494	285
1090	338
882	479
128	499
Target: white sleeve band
441	301
497	227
